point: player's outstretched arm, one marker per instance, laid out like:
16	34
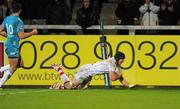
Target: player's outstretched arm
120	77
23	35
125	83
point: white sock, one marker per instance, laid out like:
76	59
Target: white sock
64	78
5	77
7	67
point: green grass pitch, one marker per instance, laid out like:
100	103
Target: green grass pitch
90	99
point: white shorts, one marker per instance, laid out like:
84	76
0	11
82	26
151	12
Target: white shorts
83	73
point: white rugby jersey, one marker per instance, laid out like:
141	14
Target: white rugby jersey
100	67
104	66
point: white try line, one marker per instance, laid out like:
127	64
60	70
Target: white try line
22	92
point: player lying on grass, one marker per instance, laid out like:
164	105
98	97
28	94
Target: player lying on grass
82	78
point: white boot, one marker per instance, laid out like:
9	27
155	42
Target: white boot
7	74
7	67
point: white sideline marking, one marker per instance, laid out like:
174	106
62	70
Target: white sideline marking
22	92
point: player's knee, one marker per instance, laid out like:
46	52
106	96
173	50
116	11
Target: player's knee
13	68
68	85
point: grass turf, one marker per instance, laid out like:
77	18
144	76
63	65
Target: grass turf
90	99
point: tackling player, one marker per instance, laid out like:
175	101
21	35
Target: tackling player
82	78
14	28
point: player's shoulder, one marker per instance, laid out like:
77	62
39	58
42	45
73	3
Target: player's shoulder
20	20
11	18
111	59
7	19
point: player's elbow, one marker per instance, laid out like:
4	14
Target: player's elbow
114	77
21	35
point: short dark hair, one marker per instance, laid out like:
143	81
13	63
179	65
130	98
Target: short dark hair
119	55
16	7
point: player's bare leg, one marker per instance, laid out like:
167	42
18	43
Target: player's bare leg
9	70
66	81
86	82
13	64
20	62
75	84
